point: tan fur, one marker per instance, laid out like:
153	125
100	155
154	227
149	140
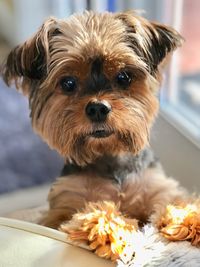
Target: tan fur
68	47
138	197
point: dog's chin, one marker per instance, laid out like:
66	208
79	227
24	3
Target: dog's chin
97	144
99	140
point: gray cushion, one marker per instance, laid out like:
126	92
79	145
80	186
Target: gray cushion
24	159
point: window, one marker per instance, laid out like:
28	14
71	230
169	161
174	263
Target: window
180	98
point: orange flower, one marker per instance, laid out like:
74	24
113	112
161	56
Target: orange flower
104	229
182	223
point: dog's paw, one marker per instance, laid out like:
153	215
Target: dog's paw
107	232
181	223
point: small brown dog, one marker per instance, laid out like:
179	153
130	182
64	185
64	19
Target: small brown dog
92	81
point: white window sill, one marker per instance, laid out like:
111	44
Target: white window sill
181	123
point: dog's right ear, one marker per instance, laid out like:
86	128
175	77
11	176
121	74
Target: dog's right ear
27	63
151	41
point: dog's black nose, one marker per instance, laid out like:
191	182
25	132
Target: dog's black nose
97	111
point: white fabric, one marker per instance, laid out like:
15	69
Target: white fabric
25	244
152	250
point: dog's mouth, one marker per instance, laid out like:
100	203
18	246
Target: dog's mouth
101	133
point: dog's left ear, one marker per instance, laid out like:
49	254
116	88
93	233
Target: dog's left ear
150	40
27	63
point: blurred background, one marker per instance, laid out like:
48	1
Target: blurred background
28	166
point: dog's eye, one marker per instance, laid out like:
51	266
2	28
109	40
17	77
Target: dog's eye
123	79
68	84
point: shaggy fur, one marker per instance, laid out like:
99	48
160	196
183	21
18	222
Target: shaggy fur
93	49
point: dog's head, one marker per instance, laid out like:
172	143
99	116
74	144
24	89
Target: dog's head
91	81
